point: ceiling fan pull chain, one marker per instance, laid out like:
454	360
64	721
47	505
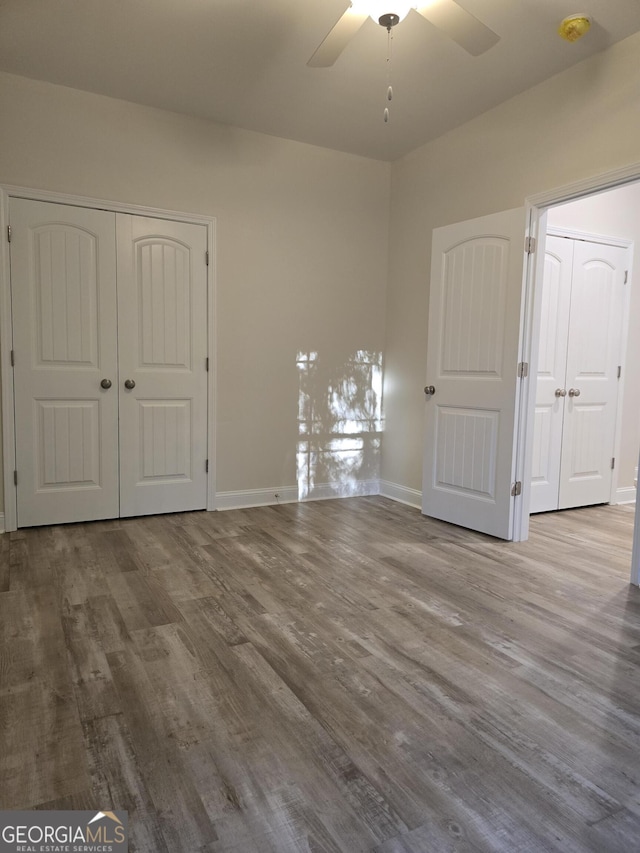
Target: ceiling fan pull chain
389	86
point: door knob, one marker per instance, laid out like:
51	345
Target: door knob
429	390
560	392
106	384
574	392
129	384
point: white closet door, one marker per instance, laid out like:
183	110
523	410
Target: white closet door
552	365
592	374
162	333
472	357
64	337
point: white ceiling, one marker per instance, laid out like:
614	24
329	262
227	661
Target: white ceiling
243	62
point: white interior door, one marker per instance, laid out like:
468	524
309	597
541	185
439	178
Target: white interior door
472	355
577	384
110	343
162	332
593	357
64	337
552	367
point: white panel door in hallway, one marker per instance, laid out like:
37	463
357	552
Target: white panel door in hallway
552	368
472	355
162	334
110	339
63	272
578	382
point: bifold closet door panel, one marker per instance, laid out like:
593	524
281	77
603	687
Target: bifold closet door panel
63	283
552	365
162	335
593	357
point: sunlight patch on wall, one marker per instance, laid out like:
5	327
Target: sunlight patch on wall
339	423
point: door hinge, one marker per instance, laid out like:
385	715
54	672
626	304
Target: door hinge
619	371
529	245
613	462
626	275
15	478
13	358
9	235
206	257
206	465
516	489
206	364
523	369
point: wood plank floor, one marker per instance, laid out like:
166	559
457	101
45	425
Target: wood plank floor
332	676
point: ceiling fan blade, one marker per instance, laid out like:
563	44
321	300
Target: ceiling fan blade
337	39
459	25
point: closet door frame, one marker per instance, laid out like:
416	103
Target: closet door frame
621	243
6	328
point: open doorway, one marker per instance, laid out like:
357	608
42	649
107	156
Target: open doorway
538	206
585	451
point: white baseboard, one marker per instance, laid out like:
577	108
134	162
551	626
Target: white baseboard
402	494
247	498
2	522
289	494
625	496
256	497
354	489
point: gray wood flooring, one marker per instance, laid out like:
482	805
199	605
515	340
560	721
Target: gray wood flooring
332	676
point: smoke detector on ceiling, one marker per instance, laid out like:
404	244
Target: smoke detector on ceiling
574	27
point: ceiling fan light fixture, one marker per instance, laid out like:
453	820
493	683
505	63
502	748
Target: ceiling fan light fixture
574	27
446	15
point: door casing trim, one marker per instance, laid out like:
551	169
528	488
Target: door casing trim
7	192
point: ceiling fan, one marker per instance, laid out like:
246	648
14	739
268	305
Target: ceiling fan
447	15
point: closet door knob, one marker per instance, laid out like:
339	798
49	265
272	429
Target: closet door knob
560	392
429	390
129	384
574	392
106	384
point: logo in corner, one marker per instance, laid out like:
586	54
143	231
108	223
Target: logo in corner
63	831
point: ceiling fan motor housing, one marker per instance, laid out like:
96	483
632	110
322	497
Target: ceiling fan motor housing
388	20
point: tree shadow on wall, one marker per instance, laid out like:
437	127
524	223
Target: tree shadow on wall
339	424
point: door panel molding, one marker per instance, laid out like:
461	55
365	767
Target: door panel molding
9	191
